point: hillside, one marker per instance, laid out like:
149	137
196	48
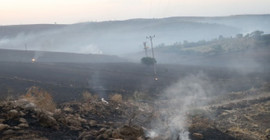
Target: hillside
248	52
121	37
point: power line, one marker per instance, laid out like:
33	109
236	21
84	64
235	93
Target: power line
145	49
153	55
151	41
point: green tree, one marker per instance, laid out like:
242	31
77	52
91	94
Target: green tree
148	61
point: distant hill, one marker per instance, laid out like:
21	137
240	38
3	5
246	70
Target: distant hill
246	23
121	37
250	52
15	30
43	56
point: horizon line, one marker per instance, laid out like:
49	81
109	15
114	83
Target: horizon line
138	18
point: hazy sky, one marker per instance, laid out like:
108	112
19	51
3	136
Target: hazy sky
72	11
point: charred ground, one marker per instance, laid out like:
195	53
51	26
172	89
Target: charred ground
66	81
236	94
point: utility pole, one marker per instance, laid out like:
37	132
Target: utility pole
146	49
153	55
151	41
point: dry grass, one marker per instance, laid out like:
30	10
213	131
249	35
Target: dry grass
41	98
242	132
117	98
200	122
9	98
87	96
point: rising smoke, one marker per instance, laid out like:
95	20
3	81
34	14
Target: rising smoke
65	39
110	37
177	102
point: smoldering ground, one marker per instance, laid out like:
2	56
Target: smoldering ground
176	102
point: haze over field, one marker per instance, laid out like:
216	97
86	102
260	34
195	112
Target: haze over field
191	20
122	37
135	69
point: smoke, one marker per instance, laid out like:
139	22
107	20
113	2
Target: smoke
71	39
38	54
89	49
111	37
179	99
4	41
249	61
97	84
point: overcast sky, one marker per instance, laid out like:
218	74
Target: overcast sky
73	11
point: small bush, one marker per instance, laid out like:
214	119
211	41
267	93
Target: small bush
139	96
148	61
87	96
41	98
116	98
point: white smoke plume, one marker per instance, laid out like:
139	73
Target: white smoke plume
57	40
178	100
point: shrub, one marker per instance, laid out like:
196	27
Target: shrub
148	61
87	96
116	98
41	98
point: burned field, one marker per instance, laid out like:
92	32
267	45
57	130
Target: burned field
123	101
66	81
